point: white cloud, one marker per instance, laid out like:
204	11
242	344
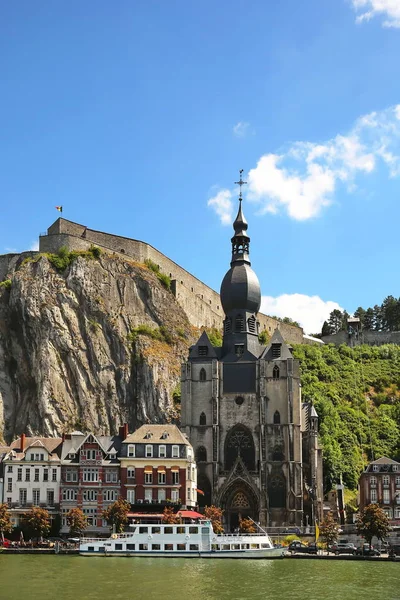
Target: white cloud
223	206
309	311
34	246
303	179
241	129
388	9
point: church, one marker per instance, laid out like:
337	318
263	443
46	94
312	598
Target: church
255	441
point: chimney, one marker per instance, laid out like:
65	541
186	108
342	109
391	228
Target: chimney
22	442
123	431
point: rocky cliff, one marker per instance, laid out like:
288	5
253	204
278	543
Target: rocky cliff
88	346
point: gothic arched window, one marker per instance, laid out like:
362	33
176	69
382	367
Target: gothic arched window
277	454
203	375
239	323
239	442
275	372
277	418
201	454
203	419
277	491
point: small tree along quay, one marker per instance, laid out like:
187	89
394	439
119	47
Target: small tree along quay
76	521
246	526
214	514
169	517
329	530
373	522
37	522
5	520
116	514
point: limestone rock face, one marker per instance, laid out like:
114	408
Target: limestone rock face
67	356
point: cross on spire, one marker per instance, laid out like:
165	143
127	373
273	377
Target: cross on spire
240	183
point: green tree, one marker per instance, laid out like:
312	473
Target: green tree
378	318
360	314
326	329
37	522
371	522
214	514
76	521
5	520
369	319
329	530
116	514
335	320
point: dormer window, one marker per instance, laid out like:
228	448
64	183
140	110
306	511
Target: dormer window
395	468
239	349
276	350
203	350
375	468
71	456
164	435
148	435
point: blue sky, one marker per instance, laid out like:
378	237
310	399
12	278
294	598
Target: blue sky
137	116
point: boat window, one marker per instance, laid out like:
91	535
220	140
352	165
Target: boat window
156	547
254	546
156	530
143	547
91	548
235	546
245	546
265	546
143	529
118	546
181	546
204	530
168	546
168	530
193	530
130	546
180	530
214	546
107	544
226	546
193	547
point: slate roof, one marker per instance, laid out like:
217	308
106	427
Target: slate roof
175	436
285	349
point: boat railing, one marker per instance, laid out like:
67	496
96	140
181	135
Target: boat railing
240	535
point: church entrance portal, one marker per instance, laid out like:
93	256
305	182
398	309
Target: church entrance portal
238	503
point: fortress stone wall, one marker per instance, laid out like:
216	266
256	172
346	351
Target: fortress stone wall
201	304
371	338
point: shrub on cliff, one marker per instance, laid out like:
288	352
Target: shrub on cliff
6	284
162	277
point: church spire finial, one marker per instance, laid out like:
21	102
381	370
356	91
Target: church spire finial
240	183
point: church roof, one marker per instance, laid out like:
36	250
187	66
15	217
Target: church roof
197	351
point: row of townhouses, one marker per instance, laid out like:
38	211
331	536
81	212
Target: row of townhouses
152	466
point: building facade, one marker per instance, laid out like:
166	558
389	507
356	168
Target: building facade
380	484
158	468
90	477
32	475
255	442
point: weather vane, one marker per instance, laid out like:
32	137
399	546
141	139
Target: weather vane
240	182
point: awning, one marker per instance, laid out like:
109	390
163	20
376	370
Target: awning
190	514
175	469
148	469
161	469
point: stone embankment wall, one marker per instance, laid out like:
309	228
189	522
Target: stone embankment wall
200	303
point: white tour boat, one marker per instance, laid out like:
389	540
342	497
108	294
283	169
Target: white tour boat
181	541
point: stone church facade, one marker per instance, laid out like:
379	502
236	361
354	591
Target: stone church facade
255	441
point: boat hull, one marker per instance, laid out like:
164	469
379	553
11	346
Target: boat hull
267	553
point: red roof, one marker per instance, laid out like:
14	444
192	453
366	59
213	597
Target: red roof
190	514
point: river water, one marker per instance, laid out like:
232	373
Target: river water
28	577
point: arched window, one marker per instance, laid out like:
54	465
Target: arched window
251	322
239	442
277	490
201	454
239	323
277	454
275	372
203	375
203	419
277	418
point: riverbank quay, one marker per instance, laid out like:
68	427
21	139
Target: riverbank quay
52	551
326	556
